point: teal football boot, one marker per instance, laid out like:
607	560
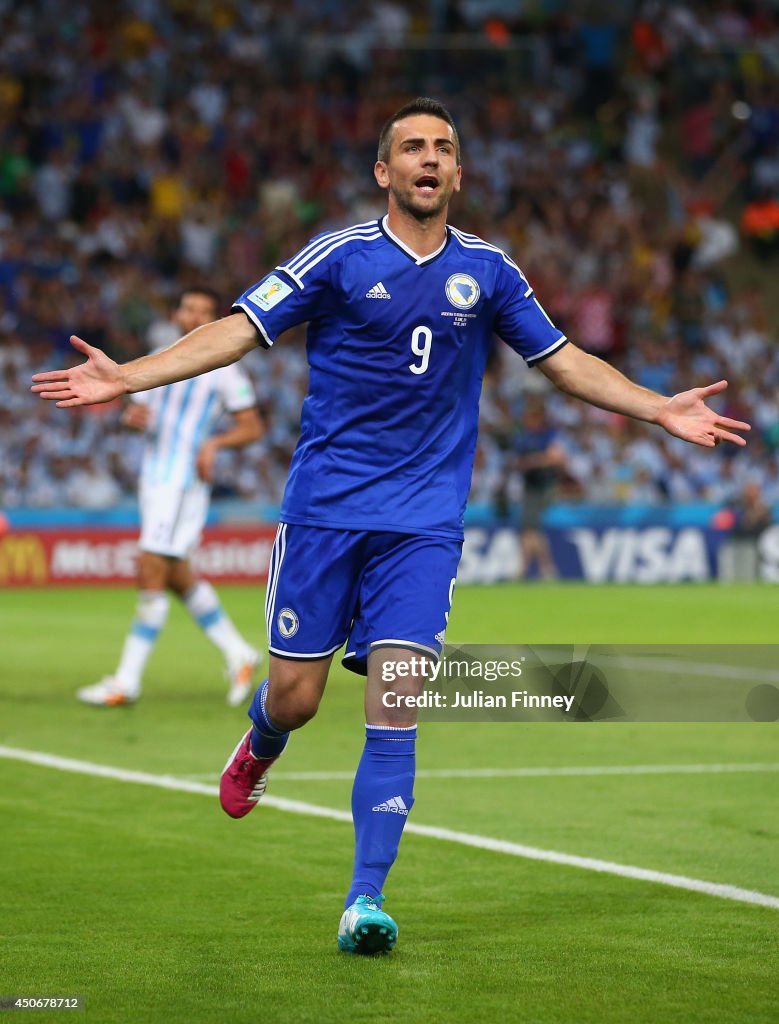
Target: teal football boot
365	928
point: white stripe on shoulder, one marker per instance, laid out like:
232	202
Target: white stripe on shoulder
322	240
302	271
474	242
292	274
543	311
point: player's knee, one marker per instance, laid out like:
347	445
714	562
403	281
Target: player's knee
294	693
290	709
298	711
152	571
181	579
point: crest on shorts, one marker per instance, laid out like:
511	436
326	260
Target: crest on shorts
462	291
288	622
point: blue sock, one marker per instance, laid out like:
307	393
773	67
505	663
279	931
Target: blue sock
382	796
267	740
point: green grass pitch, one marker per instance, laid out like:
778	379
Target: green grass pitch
156	907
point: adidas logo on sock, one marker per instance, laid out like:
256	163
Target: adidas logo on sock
394	805
378	292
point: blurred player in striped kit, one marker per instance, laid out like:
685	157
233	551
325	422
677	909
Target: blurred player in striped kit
177	470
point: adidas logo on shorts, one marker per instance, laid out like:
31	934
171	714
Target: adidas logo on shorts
378	292
394	805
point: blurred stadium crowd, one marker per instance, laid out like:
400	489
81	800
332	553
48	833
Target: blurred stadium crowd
626	155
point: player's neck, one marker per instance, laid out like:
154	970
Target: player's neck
423	237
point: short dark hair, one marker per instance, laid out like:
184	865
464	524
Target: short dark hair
197	289
421	105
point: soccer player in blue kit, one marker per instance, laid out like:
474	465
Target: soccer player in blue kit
401	314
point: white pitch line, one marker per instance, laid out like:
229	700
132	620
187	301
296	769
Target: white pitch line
677	666
527	773
728	892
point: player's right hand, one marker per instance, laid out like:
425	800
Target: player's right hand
206	457
136	416
99	379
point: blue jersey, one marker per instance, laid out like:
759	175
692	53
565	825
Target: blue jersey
397	346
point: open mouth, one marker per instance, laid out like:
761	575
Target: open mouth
427	184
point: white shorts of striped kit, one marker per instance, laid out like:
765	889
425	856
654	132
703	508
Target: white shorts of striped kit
172	518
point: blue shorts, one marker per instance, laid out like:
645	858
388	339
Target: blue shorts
363	588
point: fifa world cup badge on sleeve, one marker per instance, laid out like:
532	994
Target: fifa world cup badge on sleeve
272	290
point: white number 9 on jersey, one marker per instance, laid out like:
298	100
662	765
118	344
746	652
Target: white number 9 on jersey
421	341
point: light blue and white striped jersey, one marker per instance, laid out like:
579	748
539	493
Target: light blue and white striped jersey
183	417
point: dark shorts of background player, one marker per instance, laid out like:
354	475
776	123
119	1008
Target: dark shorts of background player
327	587
535	502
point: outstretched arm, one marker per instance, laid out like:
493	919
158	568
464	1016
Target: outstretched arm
100	379
686	415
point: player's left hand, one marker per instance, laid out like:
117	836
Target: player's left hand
206	458
99	379
686	415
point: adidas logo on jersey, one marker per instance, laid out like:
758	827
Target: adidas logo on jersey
378	292
394	805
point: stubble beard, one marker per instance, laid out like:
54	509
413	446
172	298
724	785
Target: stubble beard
406	203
